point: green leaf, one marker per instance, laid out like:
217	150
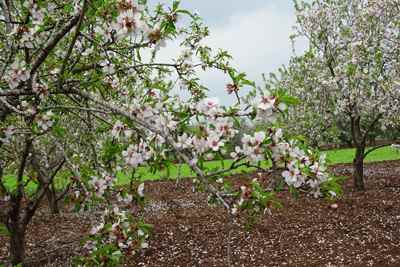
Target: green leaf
175	5
3	230
236	122
59	131
186	12
110	150
248	82
231	73
290	100
351	69
69	8
145	226
294	192
241	76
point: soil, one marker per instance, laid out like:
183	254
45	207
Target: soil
363	230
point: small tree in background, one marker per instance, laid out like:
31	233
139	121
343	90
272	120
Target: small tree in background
348	78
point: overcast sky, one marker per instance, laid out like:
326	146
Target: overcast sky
255	32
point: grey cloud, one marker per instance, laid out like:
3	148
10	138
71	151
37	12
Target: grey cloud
256	33
258	40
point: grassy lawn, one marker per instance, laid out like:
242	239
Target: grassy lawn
346	155
333	157
183	170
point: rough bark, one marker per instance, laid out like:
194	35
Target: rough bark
358	169
52	201
16	223
358	161
5	111
17	242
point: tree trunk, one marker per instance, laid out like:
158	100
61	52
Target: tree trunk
358	161
52	201
17	244
16	222
358	169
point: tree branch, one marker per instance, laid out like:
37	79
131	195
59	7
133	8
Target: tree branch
76	108
14	212
58	168
5	7
374	148
45	181
371	127
70	48
2	186
52	43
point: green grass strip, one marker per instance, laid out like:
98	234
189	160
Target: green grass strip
333	157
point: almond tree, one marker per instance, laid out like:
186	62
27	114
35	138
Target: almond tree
86	77
351	70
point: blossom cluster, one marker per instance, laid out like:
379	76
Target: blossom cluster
303	167
17	74
135	155
45	122
118	231
8	134
251	147
132	22
101	185
254	199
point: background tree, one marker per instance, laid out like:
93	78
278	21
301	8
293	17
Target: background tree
350	70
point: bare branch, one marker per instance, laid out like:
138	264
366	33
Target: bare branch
374	148
52	43
70	48
6	9
371	126
58	168
76	108
11	107
14	212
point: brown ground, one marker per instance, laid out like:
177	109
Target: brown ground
363	231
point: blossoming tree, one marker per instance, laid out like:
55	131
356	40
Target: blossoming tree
82	80
350	71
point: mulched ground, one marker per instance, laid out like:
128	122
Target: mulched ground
363	231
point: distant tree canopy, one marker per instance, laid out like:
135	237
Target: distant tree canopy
347	82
